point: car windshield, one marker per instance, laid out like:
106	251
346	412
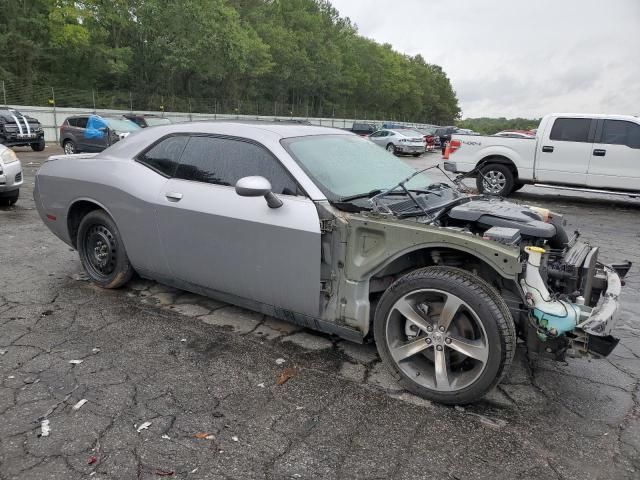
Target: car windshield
152	121
347	165
121	125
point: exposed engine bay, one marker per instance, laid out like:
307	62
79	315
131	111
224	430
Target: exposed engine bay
569	296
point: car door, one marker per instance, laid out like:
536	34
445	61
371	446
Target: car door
564	152
378	137
96	134
615	157
79	129
219	240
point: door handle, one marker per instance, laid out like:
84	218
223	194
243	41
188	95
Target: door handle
598	152
547	149
173	196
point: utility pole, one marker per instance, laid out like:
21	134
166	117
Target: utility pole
93	96
130	102
4	94
55	118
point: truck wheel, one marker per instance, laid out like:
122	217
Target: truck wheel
69	147
38	146
102	252
496	179
391	148
445	334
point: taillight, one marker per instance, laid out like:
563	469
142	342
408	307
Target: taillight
455	145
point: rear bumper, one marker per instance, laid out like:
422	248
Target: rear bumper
10	178
410	148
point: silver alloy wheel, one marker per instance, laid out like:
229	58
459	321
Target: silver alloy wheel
391	148
494	181
69	149
437	340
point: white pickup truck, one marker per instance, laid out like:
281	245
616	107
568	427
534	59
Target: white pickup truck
584	152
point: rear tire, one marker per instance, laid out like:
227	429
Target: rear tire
391	148
69	147
38	146
431	362
102	252
499	180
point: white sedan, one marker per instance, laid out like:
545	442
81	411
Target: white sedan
400	141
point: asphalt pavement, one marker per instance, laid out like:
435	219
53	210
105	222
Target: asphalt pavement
180	386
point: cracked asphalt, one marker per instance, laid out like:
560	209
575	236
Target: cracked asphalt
181	386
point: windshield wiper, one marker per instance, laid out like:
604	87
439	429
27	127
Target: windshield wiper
400	184
360	195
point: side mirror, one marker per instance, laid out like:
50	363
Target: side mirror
257	187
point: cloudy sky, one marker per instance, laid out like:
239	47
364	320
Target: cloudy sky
518	57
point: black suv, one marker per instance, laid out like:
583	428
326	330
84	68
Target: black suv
18	130
93	133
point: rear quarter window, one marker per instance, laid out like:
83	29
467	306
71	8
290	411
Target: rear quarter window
164	156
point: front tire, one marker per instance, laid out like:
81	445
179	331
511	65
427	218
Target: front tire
38	146
102	252
69	147
496	179
445	334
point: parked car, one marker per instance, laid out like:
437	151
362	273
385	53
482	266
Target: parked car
580	152
363	129
18	130
10	176
322	228
431	140
515	134
93	133
400	141
393	126
144	120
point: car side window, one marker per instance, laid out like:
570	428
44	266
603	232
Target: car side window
620	132
571	129
72	122
223	161
81	122
165	156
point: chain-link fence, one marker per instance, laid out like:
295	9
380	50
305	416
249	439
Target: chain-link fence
51	105
20	94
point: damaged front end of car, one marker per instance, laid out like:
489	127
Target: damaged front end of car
572	299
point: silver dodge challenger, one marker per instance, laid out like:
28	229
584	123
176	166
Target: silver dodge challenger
323	228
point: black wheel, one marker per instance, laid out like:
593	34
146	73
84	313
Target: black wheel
69	147
11	200
102	252
38	146
391	148
445	334
496	179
